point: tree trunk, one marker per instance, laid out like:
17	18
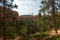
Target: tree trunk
54	17
4	25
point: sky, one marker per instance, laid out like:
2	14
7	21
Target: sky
26	7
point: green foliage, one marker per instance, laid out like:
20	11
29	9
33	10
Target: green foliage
40	36
54	38
46	6
23	31
58	21
8	4
11	33
28	26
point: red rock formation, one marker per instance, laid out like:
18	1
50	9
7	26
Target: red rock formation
10	14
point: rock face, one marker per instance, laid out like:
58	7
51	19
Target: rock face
9	14
28	17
